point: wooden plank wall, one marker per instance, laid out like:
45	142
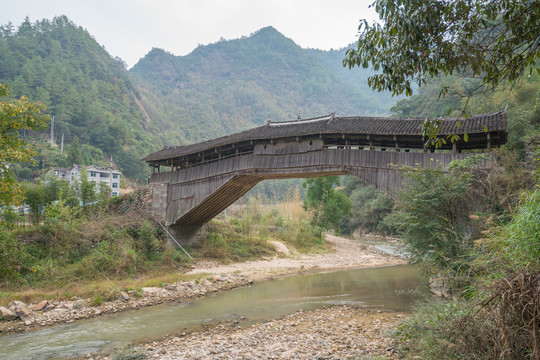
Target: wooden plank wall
196	194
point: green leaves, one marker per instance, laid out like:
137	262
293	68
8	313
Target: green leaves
432	215
16	115
495	41
328	206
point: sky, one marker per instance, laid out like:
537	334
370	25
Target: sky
129	29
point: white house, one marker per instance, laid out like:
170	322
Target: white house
99	175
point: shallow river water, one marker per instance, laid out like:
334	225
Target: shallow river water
384	288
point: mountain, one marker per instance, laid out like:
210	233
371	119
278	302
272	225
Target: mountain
233	85
216	90
89	93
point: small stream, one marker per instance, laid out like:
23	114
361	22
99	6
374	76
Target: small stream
384	288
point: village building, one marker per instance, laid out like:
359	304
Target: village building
99	175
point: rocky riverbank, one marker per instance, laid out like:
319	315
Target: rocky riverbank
20	317
339	332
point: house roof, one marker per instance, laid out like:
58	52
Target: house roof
97	168
490	122
58	169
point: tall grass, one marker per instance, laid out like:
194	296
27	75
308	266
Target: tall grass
246	233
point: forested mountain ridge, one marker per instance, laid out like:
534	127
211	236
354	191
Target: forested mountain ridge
88	92
233	85
216	90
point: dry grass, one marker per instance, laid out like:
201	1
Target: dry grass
108	288
507	326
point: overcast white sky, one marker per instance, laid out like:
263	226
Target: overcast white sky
131	28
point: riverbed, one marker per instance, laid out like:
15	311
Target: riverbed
382	289
363	292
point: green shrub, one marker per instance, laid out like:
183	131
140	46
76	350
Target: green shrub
520	239
10	255
427	333
109	259
432	217
97	300
150	244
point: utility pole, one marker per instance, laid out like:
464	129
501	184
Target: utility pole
62	145
52	131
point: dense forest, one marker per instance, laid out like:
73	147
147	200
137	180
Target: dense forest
88	92
165	99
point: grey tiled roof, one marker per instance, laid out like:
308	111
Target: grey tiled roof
494	121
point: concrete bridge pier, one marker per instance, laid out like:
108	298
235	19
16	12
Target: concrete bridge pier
187	235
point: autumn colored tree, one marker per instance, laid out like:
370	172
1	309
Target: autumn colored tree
16	115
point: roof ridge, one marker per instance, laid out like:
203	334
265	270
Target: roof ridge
302	121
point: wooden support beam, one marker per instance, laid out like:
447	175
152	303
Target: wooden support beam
488	142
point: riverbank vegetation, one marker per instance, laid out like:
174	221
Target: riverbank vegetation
474	231
62	249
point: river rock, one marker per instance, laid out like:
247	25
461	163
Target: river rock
41	305
7	314
21	310
219	278
124	296
79	304
153	291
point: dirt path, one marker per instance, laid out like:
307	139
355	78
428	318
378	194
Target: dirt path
345	254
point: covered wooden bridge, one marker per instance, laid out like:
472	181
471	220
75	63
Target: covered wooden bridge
192	184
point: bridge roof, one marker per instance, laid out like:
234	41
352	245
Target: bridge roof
356	125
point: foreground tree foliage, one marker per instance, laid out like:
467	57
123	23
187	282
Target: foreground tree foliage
432	216
494	40
16	115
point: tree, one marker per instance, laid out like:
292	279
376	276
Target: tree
328	205
16	115
35	197
432	215
86	189
74	153
494	40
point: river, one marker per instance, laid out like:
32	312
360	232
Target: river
386	288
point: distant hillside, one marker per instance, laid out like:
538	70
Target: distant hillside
233	85
165	99
89	93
